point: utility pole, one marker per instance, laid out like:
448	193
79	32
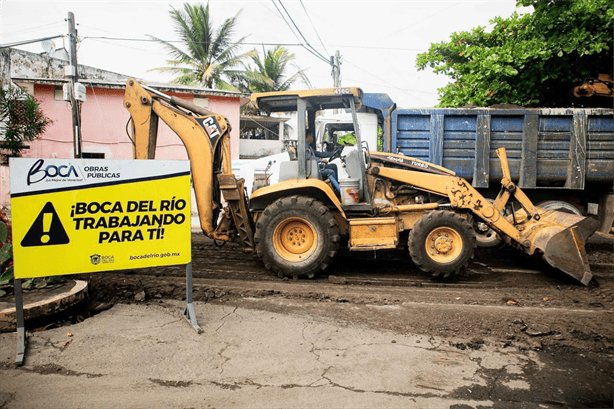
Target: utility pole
336	69
336	73
70	71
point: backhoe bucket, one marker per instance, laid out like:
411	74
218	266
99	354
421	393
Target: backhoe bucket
561	237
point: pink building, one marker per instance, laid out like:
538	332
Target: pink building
103	116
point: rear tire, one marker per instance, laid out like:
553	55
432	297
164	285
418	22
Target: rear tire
560	206
296	235
441	243
485	236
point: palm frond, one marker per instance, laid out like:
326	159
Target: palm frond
207	52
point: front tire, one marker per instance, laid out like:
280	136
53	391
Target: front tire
296	235
441	243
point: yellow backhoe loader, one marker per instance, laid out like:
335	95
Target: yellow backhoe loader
297	224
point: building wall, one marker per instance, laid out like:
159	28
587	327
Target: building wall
4	188
103	129
103	126
230	108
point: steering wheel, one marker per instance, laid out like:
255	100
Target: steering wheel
336	154
330	145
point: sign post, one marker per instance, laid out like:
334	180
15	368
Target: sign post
19	324
189	312
83	216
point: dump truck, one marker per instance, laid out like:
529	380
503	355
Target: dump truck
297	225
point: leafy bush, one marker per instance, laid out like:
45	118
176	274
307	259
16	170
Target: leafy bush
22	120
6	249
529	60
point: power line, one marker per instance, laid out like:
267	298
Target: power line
281	15
314	52
97	28
34	28
176	41
360	83
299	31
380	48
30	41
408	25
253	43
101	40
389	83
318	56
314	28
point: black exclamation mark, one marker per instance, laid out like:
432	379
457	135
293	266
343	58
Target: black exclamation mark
46	230
47	218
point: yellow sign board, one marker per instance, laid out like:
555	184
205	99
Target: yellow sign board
78	216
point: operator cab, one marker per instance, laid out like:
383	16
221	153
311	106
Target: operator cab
307	104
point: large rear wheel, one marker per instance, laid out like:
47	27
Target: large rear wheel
484	235
560	206
441	243
296	236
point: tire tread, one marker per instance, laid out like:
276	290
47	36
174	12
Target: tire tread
301	204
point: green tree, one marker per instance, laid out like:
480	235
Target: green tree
533	59
6	251
211	56
269	73
21	120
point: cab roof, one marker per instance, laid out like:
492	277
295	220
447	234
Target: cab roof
324	98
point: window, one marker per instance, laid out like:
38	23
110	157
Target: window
92	155
58	93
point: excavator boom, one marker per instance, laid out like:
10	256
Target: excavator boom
202	132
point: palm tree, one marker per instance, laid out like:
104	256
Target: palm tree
210	55
269	73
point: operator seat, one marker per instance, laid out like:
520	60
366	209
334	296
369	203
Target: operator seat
352	167
289	169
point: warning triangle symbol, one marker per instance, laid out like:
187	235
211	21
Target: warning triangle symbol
47	229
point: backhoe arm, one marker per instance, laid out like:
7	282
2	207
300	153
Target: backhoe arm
205	136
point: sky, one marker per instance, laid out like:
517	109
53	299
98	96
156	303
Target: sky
378	40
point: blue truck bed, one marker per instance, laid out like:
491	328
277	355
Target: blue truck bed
547	148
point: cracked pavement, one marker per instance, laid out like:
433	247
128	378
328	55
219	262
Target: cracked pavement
147	355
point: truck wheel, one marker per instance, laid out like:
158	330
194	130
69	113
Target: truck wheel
296	235
441	243
484	235
560	206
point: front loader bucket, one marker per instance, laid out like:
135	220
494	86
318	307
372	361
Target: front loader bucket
561	237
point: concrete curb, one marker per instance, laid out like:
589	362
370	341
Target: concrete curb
47	306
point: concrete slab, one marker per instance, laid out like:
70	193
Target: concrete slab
35	306
149	356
